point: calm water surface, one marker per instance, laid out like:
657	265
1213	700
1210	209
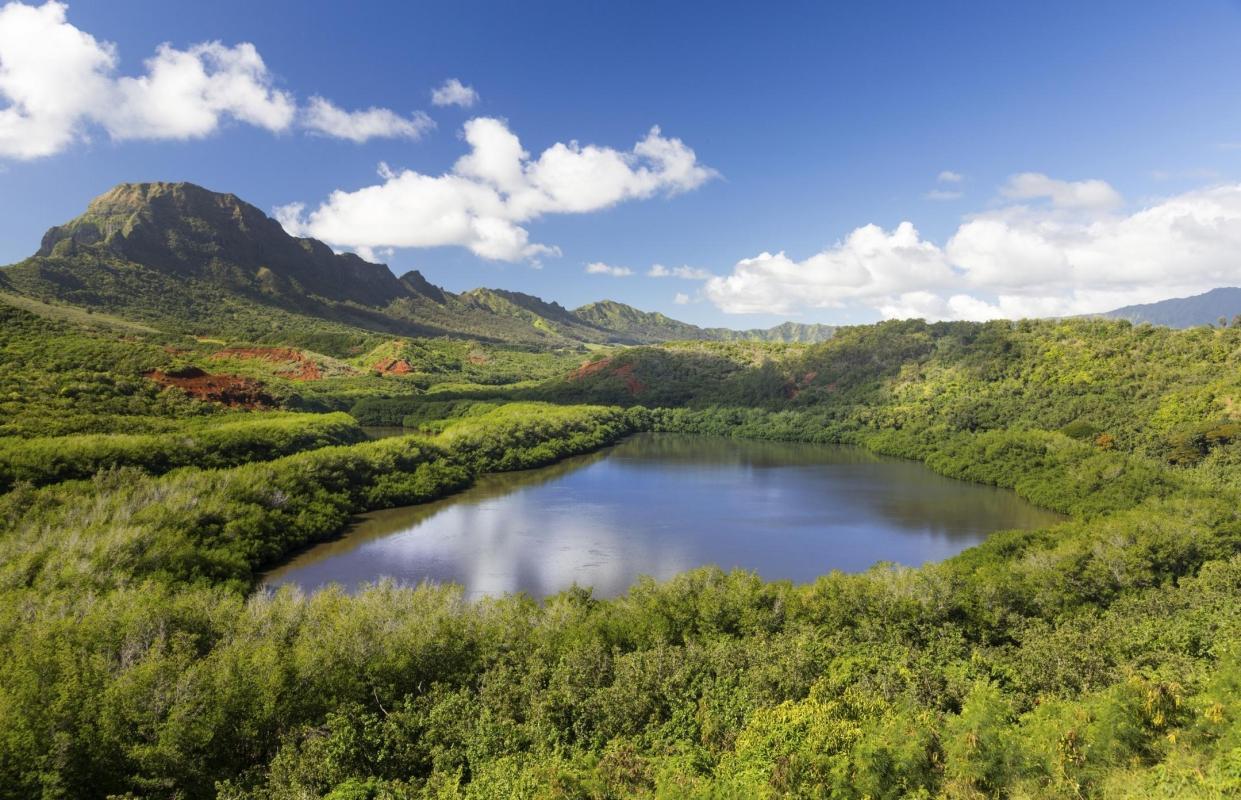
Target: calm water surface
659	504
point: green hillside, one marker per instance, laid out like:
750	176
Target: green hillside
158	452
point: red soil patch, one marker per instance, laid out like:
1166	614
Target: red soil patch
634	385
589	368
301	368
624	372
393	366
231	390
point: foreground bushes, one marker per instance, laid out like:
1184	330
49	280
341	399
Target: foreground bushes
712	684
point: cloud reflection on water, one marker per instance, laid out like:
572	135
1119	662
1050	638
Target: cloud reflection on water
660	504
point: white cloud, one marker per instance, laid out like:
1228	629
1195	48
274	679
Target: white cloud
871	263
943	194
681	299
49	72
1069	258
57	83
948	176
321	116
1062	194
186	93
454	93
685	272
599	268
493	190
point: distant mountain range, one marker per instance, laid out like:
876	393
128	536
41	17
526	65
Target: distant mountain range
195	261
1185	312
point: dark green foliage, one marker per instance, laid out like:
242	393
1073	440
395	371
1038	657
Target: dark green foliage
1189	447
1080	429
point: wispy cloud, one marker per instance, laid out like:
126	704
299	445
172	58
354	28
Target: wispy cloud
321	116
1063	194
684	272
948	176
600	268
943	194
1200	173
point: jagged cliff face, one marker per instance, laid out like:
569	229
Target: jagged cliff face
193	232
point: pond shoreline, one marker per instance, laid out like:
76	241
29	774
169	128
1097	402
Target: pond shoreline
769	489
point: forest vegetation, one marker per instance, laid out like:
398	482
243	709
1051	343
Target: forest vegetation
150	470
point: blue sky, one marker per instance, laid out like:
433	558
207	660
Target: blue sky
1084	136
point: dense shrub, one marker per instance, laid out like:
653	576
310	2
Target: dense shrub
223	442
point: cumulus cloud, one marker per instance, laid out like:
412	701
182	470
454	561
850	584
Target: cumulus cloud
322	116
492	191
681	299
454	93
948	176
1071	257
684	272
600	268
58	82
870	263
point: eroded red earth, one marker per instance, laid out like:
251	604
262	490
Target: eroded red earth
230	390
393	366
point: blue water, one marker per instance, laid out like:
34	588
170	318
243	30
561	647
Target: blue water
658	504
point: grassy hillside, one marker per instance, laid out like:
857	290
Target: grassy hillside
1095	659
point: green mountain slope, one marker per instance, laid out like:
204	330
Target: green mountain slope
1185	312
648	327
190	260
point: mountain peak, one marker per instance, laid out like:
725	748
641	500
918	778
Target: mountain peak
130	216
193	232
137	196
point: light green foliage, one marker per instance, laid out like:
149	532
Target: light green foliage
217	441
